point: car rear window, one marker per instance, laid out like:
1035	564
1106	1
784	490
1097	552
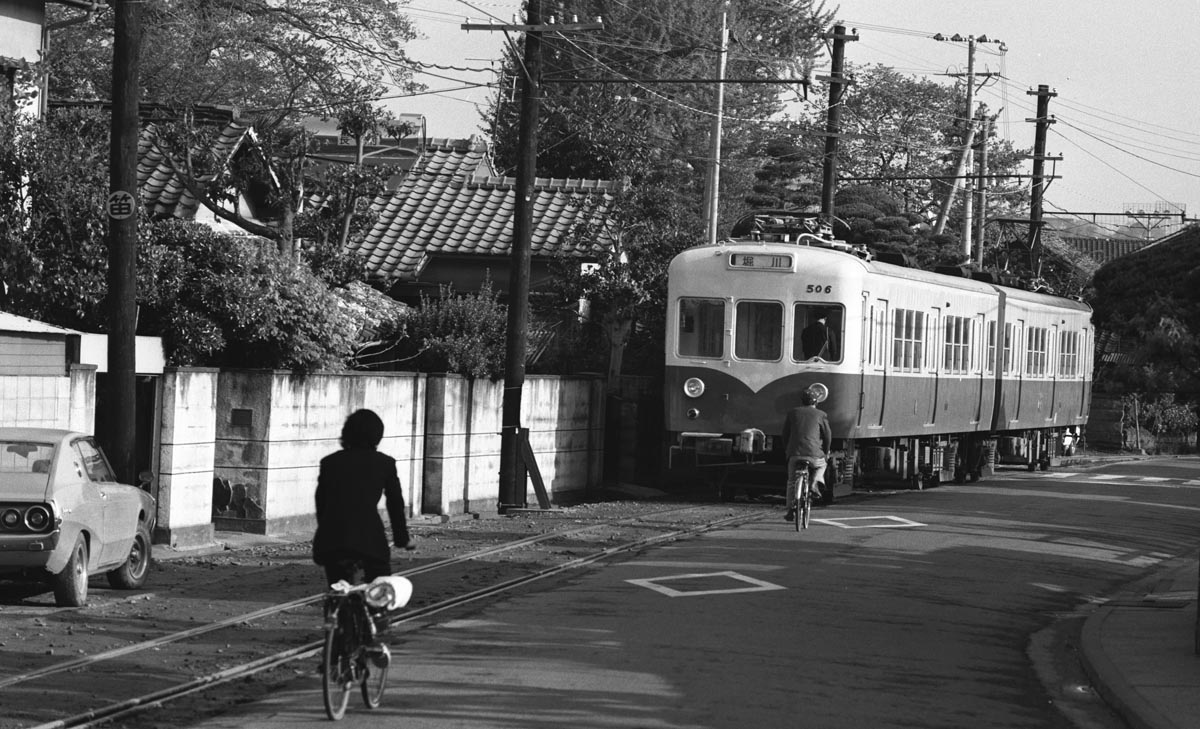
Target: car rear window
18	456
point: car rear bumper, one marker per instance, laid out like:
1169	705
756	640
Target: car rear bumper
27	550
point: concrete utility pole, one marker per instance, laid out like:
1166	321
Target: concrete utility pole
1042	122
513	468
982	190
833	120
713	188
120	440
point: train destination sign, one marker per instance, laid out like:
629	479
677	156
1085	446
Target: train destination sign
768	262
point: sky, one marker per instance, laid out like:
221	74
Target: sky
1127	105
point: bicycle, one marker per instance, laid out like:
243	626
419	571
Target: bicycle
352	653
800	496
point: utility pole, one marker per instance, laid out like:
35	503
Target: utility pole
969	120
123	205
513	466
833	120
963	168
1042	122
713	188
982	190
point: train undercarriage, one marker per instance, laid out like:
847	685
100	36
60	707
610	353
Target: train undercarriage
746	462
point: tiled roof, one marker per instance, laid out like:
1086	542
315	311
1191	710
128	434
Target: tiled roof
162	192
1104	250
451	204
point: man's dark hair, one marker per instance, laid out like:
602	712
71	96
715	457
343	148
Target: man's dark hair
363	429
806	398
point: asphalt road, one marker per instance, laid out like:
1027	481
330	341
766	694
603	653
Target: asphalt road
952	607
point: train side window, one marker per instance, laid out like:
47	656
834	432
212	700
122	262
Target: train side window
1036	351
1008	349
701	328
990	353
758	330
818	332
1068	354
957	354
908	340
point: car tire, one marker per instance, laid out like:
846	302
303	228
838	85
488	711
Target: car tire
71	585
132	573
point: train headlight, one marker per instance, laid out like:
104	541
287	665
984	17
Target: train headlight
818	391
693	387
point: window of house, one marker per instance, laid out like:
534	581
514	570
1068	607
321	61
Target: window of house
701	328
758	330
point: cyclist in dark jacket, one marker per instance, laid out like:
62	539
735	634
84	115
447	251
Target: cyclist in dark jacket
351	543
806	437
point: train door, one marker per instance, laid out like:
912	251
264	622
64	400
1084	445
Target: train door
874	380
1053	370
933	341
1013	370
1084	360
978	359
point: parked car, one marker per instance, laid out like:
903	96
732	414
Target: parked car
64	517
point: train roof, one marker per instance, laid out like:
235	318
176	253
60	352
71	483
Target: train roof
842	252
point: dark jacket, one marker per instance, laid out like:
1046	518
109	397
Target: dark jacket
349	487
806	433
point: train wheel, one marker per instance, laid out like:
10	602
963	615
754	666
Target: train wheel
974	476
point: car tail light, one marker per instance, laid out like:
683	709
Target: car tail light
37	518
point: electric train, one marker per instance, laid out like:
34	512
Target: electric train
925	376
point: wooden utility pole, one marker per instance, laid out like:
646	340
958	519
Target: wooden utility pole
123	206
514	450
833	120
1042	122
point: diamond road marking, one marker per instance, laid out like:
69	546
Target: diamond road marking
889	522
755	585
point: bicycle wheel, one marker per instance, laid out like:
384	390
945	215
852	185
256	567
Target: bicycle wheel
375	675
805	509
801	503
337	674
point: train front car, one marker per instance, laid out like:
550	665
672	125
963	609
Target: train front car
928	376
752	324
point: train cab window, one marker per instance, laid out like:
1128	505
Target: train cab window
818	332
701	328
908	340
1068	354
1036	351
758	330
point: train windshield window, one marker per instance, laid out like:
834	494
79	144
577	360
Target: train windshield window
758	331
818	332
701	328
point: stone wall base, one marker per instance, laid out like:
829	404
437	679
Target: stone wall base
190	537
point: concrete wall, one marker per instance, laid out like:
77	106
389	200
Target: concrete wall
50	401
273	428
187	448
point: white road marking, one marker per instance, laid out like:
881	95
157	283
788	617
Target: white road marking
888	522
754	585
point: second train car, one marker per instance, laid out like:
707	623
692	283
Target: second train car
928	376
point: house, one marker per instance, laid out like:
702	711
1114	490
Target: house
23	38
450	222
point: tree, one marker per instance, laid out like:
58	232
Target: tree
276	64
1148	299
655	136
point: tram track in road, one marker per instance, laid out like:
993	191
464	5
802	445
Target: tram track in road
198	669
